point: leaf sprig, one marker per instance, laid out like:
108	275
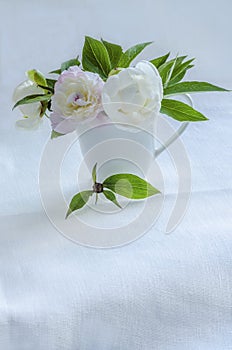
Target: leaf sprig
102	56
126	185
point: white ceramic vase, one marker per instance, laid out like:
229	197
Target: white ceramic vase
118	149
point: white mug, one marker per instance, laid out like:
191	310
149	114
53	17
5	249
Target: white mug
118	150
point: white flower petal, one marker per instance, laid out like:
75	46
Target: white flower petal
134	95
31	110
77	99
28	123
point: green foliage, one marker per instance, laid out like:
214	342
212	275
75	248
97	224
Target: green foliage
55	134
179	70
165	71
181	111
37	77
51	83
190	87
111	197
78	201
56	71
127	185
174	70
32	99
129	55
94	173
65	65
114	52
130	186
44	106
95	57
157	62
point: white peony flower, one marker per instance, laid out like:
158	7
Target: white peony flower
30	111
77	99
134	95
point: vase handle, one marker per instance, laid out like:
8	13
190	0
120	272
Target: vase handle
176	134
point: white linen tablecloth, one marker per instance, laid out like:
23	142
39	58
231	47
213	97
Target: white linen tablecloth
161	292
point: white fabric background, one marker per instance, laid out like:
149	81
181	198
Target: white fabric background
160	292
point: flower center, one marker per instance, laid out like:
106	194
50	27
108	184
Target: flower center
77	99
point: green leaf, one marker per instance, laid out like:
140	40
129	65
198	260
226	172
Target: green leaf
115	71
178	61
65	65
94	173
73	62
44	106
191	86
177	74
95	57
32	99
180	76
114	52
55	134
181	111
130	186
167	69
46	88
157	62
50	106
56	71
128	56
37	77
78	201
111	197
51	83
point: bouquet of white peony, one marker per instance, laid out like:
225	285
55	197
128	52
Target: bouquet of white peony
105	83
